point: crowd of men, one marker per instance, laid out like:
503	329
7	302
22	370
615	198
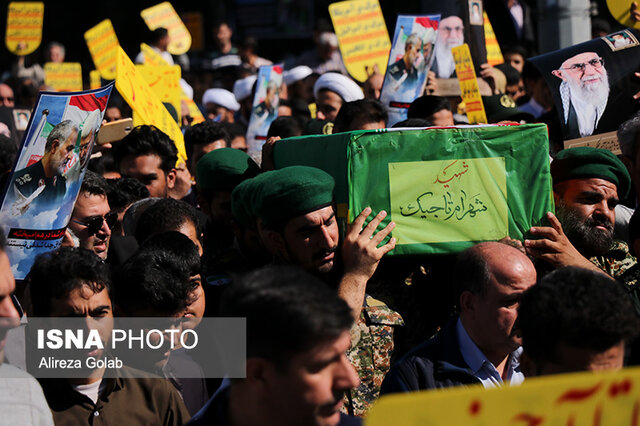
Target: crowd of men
331	322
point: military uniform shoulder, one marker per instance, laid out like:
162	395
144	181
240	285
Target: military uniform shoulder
378	312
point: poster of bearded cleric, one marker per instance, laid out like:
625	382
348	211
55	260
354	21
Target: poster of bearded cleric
409	62
41	191
593	83
265	108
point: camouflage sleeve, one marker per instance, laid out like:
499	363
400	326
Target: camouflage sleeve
623	266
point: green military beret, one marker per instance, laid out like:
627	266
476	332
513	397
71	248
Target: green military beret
292	191
223	169
585	162
243	200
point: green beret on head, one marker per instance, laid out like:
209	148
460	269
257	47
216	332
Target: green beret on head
292	191
243	200
223	169
586	162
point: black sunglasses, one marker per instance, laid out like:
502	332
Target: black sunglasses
95	223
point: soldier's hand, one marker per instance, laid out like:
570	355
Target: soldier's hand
267	154
360	251
555	247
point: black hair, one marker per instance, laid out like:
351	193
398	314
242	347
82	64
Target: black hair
94	184
3	240
577	307
158	34
413	122
517	49
179	245
249	43
234	130
152	279
427	105
103	164
8	153
165	214
285	127
57	273
125	191
147	140
203	134
512	74
471	272
368	110
288	312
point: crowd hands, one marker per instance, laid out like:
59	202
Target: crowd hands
332	323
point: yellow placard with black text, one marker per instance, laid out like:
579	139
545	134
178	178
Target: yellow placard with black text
63	76
102	43
583	399
24	27
362	36
144	102
164	15
469	84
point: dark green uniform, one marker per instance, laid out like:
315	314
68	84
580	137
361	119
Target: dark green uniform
29	179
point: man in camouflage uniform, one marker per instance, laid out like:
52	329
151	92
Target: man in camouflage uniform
296	220
588	183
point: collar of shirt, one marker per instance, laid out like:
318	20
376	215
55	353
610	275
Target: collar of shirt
482	368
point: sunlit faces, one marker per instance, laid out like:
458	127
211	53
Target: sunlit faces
200	150
146	169
328	103
89	206
310	390
196	304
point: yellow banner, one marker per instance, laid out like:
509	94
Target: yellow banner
621	11
494	54
102	43
141	98
469	84
94	79
24	27
194	111
165	83
362	35
582	399
63	77
164	15
151	57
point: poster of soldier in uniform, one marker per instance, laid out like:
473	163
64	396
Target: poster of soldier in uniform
41	191
409	62
265	108
593	83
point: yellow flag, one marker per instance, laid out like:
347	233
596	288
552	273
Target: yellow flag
469	84
362	35
165	83
64	76
164	15
102	43
151	57
144	102
24	27
94	79
494	54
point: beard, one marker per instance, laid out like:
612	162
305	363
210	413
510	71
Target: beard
444	57
593	93
583	234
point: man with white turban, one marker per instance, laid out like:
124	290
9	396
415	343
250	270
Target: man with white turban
220	105
331	91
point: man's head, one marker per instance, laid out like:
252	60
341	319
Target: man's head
575	320
58	149
92	219
218	173
331	91
585	77
364	114
490	279
169	215
9	315
203	138
149	155
450	32
222	34
435	109
55	52
296	217
412	50
160	38
629	139
122	193
220	105
587	185
297	335
515	56
6	96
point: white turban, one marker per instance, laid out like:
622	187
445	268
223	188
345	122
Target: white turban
221	97
296	74
242	88
345	87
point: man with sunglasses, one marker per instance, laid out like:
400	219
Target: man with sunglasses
584	92
92	218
